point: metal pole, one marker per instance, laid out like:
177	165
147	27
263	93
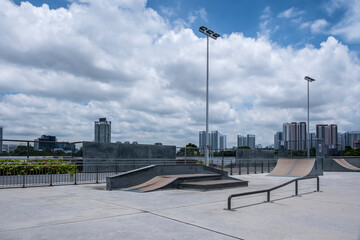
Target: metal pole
308	147
207	103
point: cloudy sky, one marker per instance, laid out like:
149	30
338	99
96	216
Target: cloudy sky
142	65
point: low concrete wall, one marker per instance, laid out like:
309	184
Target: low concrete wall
95	150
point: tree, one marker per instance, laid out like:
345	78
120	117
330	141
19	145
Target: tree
191	150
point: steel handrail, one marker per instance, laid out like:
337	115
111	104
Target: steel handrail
274	188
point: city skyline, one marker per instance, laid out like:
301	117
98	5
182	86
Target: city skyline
142	64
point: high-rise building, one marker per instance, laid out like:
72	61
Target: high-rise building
251	141
215	141
222	142
248	141
278	140
202	141
102	131
49	142
241	141
348	139
301	136
327	133
1	137
294	136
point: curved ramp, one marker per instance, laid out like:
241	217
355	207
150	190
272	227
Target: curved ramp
153	184
301	167
342	162
283	167
163	181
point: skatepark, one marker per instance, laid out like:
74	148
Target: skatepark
89	211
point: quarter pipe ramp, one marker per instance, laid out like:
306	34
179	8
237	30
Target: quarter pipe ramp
300	167
342	162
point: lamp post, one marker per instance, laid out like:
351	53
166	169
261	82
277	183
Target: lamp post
308	79
213	35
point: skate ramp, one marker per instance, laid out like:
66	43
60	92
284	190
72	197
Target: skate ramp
154	177
300	167
342	162
283	167
160	182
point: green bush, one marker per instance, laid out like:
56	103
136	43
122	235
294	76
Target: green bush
36	167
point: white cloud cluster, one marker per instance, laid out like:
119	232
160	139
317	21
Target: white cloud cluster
60	70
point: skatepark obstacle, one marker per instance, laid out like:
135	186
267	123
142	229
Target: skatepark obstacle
300	167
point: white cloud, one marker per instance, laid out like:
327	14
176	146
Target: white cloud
319	25
60	70
348	26
290	13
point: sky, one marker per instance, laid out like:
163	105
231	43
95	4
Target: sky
142	65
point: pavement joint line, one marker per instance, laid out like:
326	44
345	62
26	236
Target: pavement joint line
194	225
71	222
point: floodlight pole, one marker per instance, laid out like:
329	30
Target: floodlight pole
208	33
308	79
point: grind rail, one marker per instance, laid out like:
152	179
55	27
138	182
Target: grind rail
274	188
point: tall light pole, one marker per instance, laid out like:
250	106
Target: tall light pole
213	35
309	80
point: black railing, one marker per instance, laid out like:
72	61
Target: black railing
50	172
272	189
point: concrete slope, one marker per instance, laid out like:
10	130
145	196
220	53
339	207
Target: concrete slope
283	167
153	184
159	182
342	162
301	167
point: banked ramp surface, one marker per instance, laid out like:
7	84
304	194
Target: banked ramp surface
159	182
342	162
300	167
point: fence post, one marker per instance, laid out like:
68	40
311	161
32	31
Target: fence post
24	174
248	167
28	150
239	167
231	167
185	155
262	166
296	187
268	196
318	184
268	166
222	164
97	173
75	171
255	166
51	172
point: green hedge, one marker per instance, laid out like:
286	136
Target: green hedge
36	167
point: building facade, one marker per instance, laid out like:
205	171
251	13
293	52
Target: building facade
217	141
294	136
278	140
327	133
248	141
49	143
102	131
222	142
1	137
348	139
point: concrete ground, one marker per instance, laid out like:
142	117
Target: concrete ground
91	212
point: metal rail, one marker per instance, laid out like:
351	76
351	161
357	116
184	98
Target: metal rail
274	188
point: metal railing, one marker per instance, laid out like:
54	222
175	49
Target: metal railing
50	172
272	189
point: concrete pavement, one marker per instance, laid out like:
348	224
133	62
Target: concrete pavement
91	212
